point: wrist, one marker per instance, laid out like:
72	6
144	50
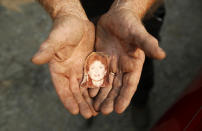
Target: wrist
71	7
58	8
138	7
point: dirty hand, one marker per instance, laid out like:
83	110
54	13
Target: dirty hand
121	34
70	41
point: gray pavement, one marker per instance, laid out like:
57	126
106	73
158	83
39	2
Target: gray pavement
28	101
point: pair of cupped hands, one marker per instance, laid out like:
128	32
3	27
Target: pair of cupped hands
120	34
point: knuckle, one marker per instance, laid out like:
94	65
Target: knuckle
153	40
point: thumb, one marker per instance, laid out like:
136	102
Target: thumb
148	43
44	54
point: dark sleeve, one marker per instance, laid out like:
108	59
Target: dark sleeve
95	8
154	24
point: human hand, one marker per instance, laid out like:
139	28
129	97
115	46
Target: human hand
70	41
121	34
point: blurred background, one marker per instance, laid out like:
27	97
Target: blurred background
28	101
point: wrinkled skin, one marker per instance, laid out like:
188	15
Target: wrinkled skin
66	48
121	35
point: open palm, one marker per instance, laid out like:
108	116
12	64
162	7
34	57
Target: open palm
66	48
121	35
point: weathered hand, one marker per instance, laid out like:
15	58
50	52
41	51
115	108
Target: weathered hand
122	35
66	48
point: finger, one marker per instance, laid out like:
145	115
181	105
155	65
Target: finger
49	50
130	82
61	85
45	53
89	101
83	106
103	93
128	89
113	64
93	91
108	104
147	42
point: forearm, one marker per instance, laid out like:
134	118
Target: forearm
139	7
57	8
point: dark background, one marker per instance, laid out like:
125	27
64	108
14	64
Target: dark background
28	101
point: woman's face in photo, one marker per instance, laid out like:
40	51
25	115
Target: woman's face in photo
97	71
